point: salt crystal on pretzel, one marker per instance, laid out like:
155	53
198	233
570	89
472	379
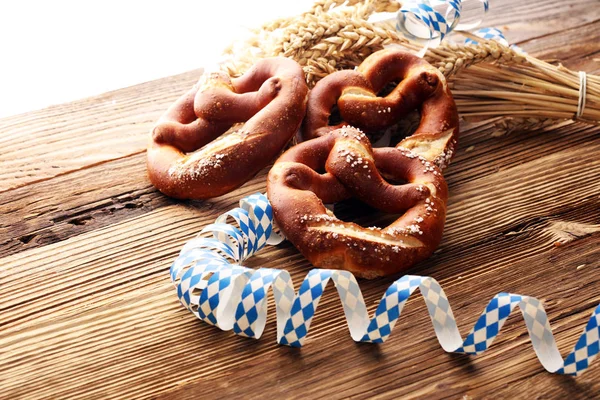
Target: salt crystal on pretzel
337	162
354	92
270	101
297	192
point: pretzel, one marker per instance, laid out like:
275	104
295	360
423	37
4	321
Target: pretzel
337	162
352	168
355	92
270	98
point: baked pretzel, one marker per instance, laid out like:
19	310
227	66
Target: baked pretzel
297	191
270	98
355	92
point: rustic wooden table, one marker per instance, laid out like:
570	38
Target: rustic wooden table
87	308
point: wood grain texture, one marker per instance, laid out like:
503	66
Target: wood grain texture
61	139
87	309
65	138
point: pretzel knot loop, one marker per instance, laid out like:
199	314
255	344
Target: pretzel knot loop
355	92
338	162
352	168
198	149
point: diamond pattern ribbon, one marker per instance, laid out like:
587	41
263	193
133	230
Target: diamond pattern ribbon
429	21
213	285
493	34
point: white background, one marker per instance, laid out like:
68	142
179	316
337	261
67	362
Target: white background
57	51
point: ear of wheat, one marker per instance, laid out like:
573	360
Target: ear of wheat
487	79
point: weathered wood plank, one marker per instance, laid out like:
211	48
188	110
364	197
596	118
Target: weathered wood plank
55	209
575	47
99	336
67	205
86	309
102	302
95	197
61	139
525	20
73	202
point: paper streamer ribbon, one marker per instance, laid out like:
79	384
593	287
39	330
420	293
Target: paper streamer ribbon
212	284
429	21
493	34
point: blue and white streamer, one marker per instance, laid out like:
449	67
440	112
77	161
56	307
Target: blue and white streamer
214	286
429	21
495	35
488	34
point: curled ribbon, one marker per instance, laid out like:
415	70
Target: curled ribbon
493	34
429	21
233	297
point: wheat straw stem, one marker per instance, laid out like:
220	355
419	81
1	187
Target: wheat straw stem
487	79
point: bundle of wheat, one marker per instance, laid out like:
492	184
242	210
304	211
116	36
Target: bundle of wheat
488	79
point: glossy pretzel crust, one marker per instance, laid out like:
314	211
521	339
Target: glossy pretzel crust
270	98
354	92
297	192
298	187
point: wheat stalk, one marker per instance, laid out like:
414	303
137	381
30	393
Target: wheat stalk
487	79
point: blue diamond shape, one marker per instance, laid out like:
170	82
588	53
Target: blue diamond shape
393	314
503	312
385	330
301	331
469	340
296	306
593	349
581	365
308	312
581	343
223	283
480	324
481	346
492	305
213	301
492	330
252	315
259	294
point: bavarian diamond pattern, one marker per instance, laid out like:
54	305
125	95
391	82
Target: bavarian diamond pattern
304	307
193	278
261	213
208	284
246	243
389	308
351	298
211	295
488	34
456	5
453	12
586	349
253	296
441	314
489	323
438	19
232	237
431	19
